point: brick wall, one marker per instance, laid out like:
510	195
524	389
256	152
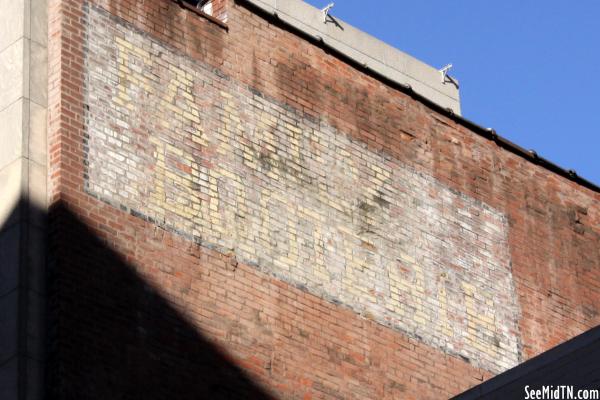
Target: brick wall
219	9
334	237
187	147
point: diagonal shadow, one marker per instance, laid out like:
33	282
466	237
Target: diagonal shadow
113	336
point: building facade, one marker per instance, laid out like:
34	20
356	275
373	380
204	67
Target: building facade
252	199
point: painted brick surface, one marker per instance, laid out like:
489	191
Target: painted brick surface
186	146
147	326
110	296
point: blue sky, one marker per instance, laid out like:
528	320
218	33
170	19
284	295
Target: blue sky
529	69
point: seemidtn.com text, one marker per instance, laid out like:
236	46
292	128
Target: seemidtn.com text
560	392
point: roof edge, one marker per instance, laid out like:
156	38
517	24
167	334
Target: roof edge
488	133
578	343
365	49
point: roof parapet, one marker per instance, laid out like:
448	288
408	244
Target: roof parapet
450	107
366	50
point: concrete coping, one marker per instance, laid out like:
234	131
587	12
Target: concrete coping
367	50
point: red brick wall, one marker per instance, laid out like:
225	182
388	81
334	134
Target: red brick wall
219	8
115	270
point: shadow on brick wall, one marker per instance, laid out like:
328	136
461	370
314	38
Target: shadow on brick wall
112	336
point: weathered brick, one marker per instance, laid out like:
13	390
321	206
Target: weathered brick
381	249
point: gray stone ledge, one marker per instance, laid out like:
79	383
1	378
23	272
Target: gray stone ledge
366	49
